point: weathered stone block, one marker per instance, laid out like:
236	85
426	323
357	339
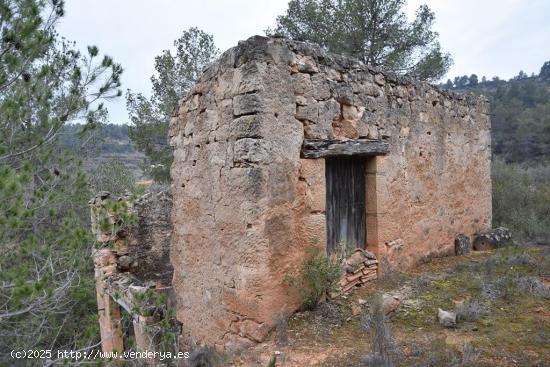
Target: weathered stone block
489	240
249	78
328	112
302	84
345	129
246	104
463	246
343	93
320	87
249	150
306	64
312	171
248	126
446	318
379	79
352	112
309	112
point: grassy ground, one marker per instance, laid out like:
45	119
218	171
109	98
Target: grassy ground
502	299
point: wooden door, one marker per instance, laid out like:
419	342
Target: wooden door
345	203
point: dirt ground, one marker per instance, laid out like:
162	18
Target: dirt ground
507	323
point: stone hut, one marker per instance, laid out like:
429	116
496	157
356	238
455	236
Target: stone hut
281	146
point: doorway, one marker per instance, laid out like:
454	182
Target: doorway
345	204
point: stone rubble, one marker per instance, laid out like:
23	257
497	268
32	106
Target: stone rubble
390	303
359	269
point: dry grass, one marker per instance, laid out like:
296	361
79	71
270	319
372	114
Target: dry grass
383	351
500	297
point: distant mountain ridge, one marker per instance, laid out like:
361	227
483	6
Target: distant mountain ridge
520	113
106	142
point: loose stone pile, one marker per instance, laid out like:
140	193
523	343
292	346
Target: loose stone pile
361	267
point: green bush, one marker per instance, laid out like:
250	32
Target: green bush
318	276
521	200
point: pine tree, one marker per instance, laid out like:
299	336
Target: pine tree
545	71
375	31
175	75
473	80
46	283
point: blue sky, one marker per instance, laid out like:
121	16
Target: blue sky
486	37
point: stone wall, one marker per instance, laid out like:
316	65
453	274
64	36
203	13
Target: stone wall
149	238
131	265
246	206
141	238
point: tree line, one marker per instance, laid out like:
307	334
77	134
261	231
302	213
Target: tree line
520	113
465	81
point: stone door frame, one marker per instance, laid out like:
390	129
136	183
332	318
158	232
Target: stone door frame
367	149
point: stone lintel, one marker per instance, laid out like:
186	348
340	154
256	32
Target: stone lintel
327	148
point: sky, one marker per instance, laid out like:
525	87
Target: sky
485	37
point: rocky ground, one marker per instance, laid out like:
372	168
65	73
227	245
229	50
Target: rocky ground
501	299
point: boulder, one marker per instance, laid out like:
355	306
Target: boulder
463	245
389	303
446	318
125	262
496	238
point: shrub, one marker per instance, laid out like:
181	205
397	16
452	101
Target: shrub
439	354
490	291
391	277
533	286
420	284
318	276
114	216
469	356
203	357
521	258
469	310
383	348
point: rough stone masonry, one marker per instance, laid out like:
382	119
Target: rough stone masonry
247	203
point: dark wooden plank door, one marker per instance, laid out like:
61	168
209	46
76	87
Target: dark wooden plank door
345	206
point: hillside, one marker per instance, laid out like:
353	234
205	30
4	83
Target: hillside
105	143
520	113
